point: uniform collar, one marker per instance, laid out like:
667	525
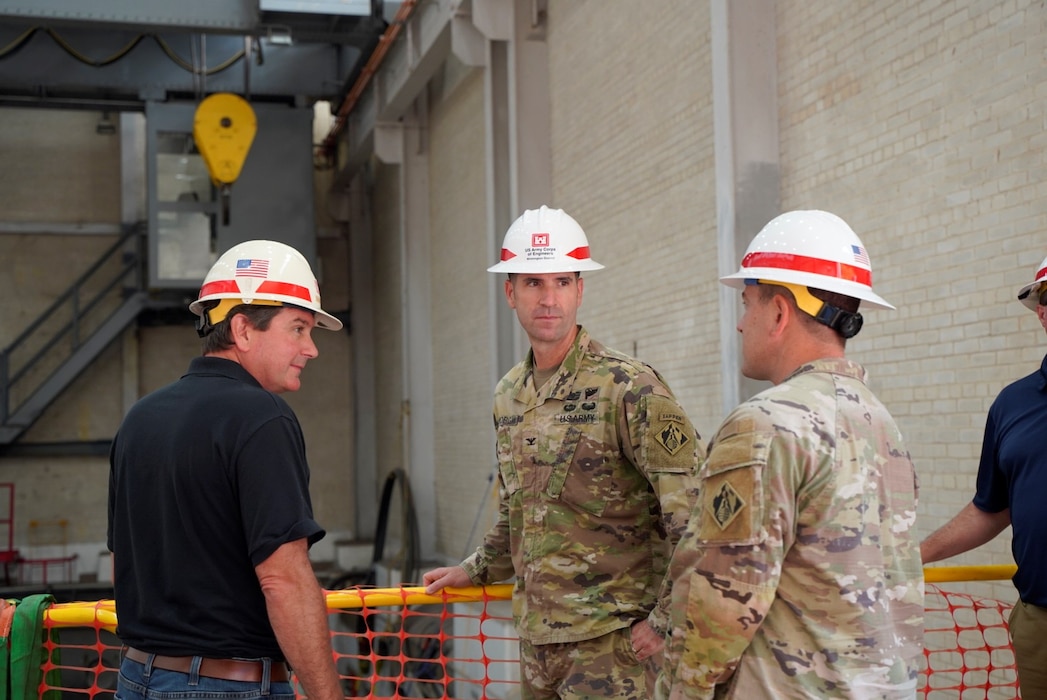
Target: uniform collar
562	382
832	365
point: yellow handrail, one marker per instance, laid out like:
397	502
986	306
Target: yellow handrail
86	614
103	612
946	574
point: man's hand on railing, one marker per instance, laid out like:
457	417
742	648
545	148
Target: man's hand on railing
445	576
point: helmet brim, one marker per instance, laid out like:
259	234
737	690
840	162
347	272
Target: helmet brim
327	321
554	266
869	298
323	319
1026	296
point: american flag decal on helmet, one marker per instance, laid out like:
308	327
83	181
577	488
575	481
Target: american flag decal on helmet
860	256
252	267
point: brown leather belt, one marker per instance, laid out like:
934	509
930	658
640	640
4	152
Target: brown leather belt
226	669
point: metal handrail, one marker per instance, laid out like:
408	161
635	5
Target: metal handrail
73	296
984	572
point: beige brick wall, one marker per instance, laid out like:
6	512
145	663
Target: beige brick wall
66	172
464	436
56	169
632	151
921	124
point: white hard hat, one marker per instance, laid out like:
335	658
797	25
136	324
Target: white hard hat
810	248
545	240
1030	293
266	273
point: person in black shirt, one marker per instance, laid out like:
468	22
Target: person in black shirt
210	519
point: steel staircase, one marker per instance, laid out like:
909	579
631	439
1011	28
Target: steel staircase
41	362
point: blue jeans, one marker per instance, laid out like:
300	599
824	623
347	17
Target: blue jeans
142	682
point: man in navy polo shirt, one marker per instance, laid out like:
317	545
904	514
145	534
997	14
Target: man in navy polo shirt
210	518
1012	483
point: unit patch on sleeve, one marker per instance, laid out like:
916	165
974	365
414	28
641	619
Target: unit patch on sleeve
727	504
671	436
732	489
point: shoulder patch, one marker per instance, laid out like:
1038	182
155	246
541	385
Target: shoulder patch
668	441
671	436
732	492
726	505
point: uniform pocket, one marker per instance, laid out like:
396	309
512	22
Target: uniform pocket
506	464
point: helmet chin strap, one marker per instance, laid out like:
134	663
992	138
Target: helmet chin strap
846	323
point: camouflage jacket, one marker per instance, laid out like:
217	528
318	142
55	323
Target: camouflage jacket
596	478
800	574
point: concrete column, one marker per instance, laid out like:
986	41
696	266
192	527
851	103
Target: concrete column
406	140
745	121
365	404
519	158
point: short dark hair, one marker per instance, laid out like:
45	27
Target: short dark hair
221	336
512	275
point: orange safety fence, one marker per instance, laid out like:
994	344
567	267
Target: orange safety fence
402	643
387	643
967	649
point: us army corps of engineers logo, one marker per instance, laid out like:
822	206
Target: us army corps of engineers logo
672	437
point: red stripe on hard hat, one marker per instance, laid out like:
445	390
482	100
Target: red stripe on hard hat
817	266
579	253
268	287
507	254
219	287
1041	273
286	288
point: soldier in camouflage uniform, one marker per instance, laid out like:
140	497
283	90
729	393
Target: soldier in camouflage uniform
597	465
799	575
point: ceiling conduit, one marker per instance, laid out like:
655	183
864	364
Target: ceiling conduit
384	43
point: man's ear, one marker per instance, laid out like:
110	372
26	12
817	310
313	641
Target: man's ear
783	311
509	297
784	314
240	330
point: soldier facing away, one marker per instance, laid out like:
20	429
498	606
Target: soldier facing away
799	574
597	464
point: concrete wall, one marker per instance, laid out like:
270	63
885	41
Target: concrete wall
919	123
922	125
57	168
632	162
58	171
461	384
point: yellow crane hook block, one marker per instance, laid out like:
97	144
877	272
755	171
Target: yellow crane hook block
224	127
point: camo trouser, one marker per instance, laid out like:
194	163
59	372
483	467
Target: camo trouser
604	667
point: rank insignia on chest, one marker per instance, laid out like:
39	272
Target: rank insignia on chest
727	504
672	437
